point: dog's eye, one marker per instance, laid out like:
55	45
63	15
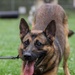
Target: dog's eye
26	43
38	44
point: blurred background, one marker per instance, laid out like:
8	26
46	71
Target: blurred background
14	5
11	11
15	8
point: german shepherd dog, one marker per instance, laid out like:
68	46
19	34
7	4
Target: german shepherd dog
43	47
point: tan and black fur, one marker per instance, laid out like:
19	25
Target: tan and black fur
48	37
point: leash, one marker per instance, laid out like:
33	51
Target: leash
10	57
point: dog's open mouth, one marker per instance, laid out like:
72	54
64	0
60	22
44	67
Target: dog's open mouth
31	64
29	68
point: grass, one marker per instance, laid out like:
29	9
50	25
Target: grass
9	43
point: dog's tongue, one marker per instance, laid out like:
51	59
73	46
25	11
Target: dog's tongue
29	68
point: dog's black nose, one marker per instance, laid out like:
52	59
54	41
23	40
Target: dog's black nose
27	56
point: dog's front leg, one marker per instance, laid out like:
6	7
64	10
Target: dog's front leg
22	69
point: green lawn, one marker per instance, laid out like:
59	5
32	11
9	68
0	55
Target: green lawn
9	43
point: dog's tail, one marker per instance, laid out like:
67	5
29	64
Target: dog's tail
71	32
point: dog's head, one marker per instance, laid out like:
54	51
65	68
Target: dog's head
35	44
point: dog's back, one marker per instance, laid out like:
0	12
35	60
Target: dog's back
48	12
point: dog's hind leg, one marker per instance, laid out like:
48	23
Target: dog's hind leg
66	56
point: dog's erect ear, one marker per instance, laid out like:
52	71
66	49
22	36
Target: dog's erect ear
24	28
50	30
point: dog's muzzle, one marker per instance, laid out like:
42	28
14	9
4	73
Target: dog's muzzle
32	56
29	56
32	59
